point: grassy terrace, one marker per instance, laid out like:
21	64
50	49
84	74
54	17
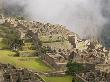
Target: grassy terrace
27	51
6	56
59	79
34	63
2	45
26	62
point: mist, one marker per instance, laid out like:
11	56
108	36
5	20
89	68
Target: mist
84	17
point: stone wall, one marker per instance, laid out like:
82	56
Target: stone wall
13	74
54	61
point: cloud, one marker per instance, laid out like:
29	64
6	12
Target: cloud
81	16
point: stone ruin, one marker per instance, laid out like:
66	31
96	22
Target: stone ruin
85	50
41	28
92	53
95	76
35	29
10	73
55	60
93	56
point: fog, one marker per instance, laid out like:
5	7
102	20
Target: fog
84	17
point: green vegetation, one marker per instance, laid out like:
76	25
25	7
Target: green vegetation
28	46
33	63
74	68
27	51
2	45
19	18
8	35
59	79
8	32
16	44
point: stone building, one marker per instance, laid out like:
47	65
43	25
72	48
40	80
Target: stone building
95	76
78	43
55	60
103	67
9	73
73	40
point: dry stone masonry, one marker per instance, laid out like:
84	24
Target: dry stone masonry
10	73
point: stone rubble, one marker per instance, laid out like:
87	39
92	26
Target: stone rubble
10	73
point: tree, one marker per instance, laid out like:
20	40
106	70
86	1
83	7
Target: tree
73	80
74	68
16	44
20	18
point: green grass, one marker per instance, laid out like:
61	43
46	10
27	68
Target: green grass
27	51
7	56
2	45
6	53
8	32
33	63
58	79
